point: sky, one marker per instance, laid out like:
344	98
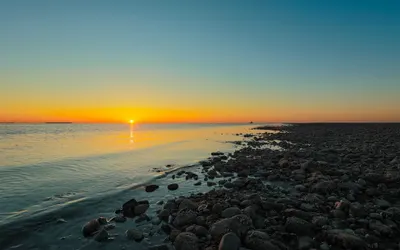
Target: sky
199	61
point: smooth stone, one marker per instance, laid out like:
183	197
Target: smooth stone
173	186
238	224
188	204
141	209
299	226
134	234
119	219
230	212
128	208
101	236
258	240
185	217
229	241
186	241
151	188
91	227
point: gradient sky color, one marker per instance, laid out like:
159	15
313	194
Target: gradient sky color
199	61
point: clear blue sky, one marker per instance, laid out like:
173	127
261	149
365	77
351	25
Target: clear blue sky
259	60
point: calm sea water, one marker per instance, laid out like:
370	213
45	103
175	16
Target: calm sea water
45	168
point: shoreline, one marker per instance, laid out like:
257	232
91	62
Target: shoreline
333	186
331	198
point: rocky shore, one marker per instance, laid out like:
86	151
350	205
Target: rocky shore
331	186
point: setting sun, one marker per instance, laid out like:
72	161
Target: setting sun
131	121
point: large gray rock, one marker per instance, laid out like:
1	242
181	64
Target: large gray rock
299	226
185	217
229	241
238	224
230	212
186	241
258	240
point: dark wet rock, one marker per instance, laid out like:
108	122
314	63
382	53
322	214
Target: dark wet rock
230	212
128	208
142	218
109	227
299	226
164	214
258	240
238	224
185	217
228	185
229	241
340	214
283	163
102	235
134	234
151	188
186	241
197	183
210	183
93	226
188	204
141	209
173	186
119	219
201	220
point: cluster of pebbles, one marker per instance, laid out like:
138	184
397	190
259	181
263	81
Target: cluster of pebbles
332	186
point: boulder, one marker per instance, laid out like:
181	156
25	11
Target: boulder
173	186
185	217
186	241
238	224
151	188
299	226
230	212
258	240
229	241
134	234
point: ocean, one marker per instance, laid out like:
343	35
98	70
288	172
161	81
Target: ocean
78	172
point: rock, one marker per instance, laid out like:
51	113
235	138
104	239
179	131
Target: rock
119	219
283	163
151	188
357	210
141	209
200	231
188	204
101	236
134	234
109	227
382	203
228	185
229	241
238	224
299	226
346	240
128	209
142	217
185	217
324	187
380	227
320	221
186	241
230	212
93	226
210	183
173	186
305	243
164	214
217	209
258	240
197	183
340	214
